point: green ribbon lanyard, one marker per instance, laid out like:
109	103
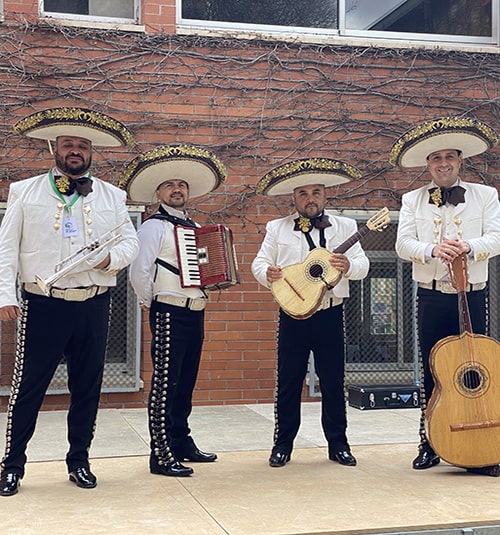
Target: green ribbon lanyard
67	206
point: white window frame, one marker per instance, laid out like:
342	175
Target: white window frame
93	18
342	34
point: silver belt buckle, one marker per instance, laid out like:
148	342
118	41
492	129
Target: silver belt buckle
75	294
445	287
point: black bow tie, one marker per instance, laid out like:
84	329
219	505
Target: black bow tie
67	186
441	196
304	224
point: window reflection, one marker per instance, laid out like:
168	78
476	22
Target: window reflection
300	13
383	306
445	17
96	8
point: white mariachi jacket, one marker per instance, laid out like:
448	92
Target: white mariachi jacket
32	240
283	246
476	221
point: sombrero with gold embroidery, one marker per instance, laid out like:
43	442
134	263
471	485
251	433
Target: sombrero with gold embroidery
99	128
285	178
458	133
201	169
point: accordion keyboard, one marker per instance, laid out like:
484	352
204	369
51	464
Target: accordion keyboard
188	257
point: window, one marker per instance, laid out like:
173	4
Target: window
380	316
299	13
471	21
102	10
420	17
304	13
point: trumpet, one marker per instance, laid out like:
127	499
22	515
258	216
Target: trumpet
68	264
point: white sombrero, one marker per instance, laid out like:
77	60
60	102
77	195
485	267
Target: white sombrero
99	128
201	169
285	178
458	133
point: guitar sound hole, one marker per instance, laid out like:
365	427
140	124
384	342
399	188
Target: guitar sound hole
316	271
472	379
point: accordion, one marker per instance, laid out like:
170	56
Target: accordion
206	257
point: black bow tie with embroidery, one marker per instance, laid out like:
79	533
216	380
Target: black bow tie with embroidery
67	186
441	196
305	224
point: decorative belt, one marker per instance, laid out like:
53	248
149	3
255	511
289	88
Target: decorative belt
197	303
329	302
447	288
68	294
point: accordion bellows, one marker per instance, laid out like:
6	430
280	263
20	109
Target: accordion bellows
206	257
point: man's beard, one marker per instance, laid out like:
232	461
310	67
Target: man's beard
315	212
75	171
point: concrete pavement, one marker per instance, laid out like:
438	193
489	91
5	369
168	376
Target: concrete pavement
240	494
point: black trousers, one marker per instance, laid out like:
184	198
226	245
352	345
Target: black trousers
50	329
438	317
323	334
177	340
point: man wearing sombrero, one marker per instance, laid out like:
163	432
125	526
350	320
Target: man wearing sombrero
170	175
288	241
50	218
439	222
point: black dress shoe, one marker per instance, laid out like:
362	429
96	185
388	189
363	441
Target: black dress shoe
493	471
172	469
9	484
197	456
426	458
83	478
344	457
279	459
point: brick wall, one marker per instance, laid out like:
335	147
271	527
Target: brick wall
255	104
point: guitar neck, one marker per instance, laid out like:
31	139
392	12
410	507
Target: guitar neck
458	275
465	321
343	247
